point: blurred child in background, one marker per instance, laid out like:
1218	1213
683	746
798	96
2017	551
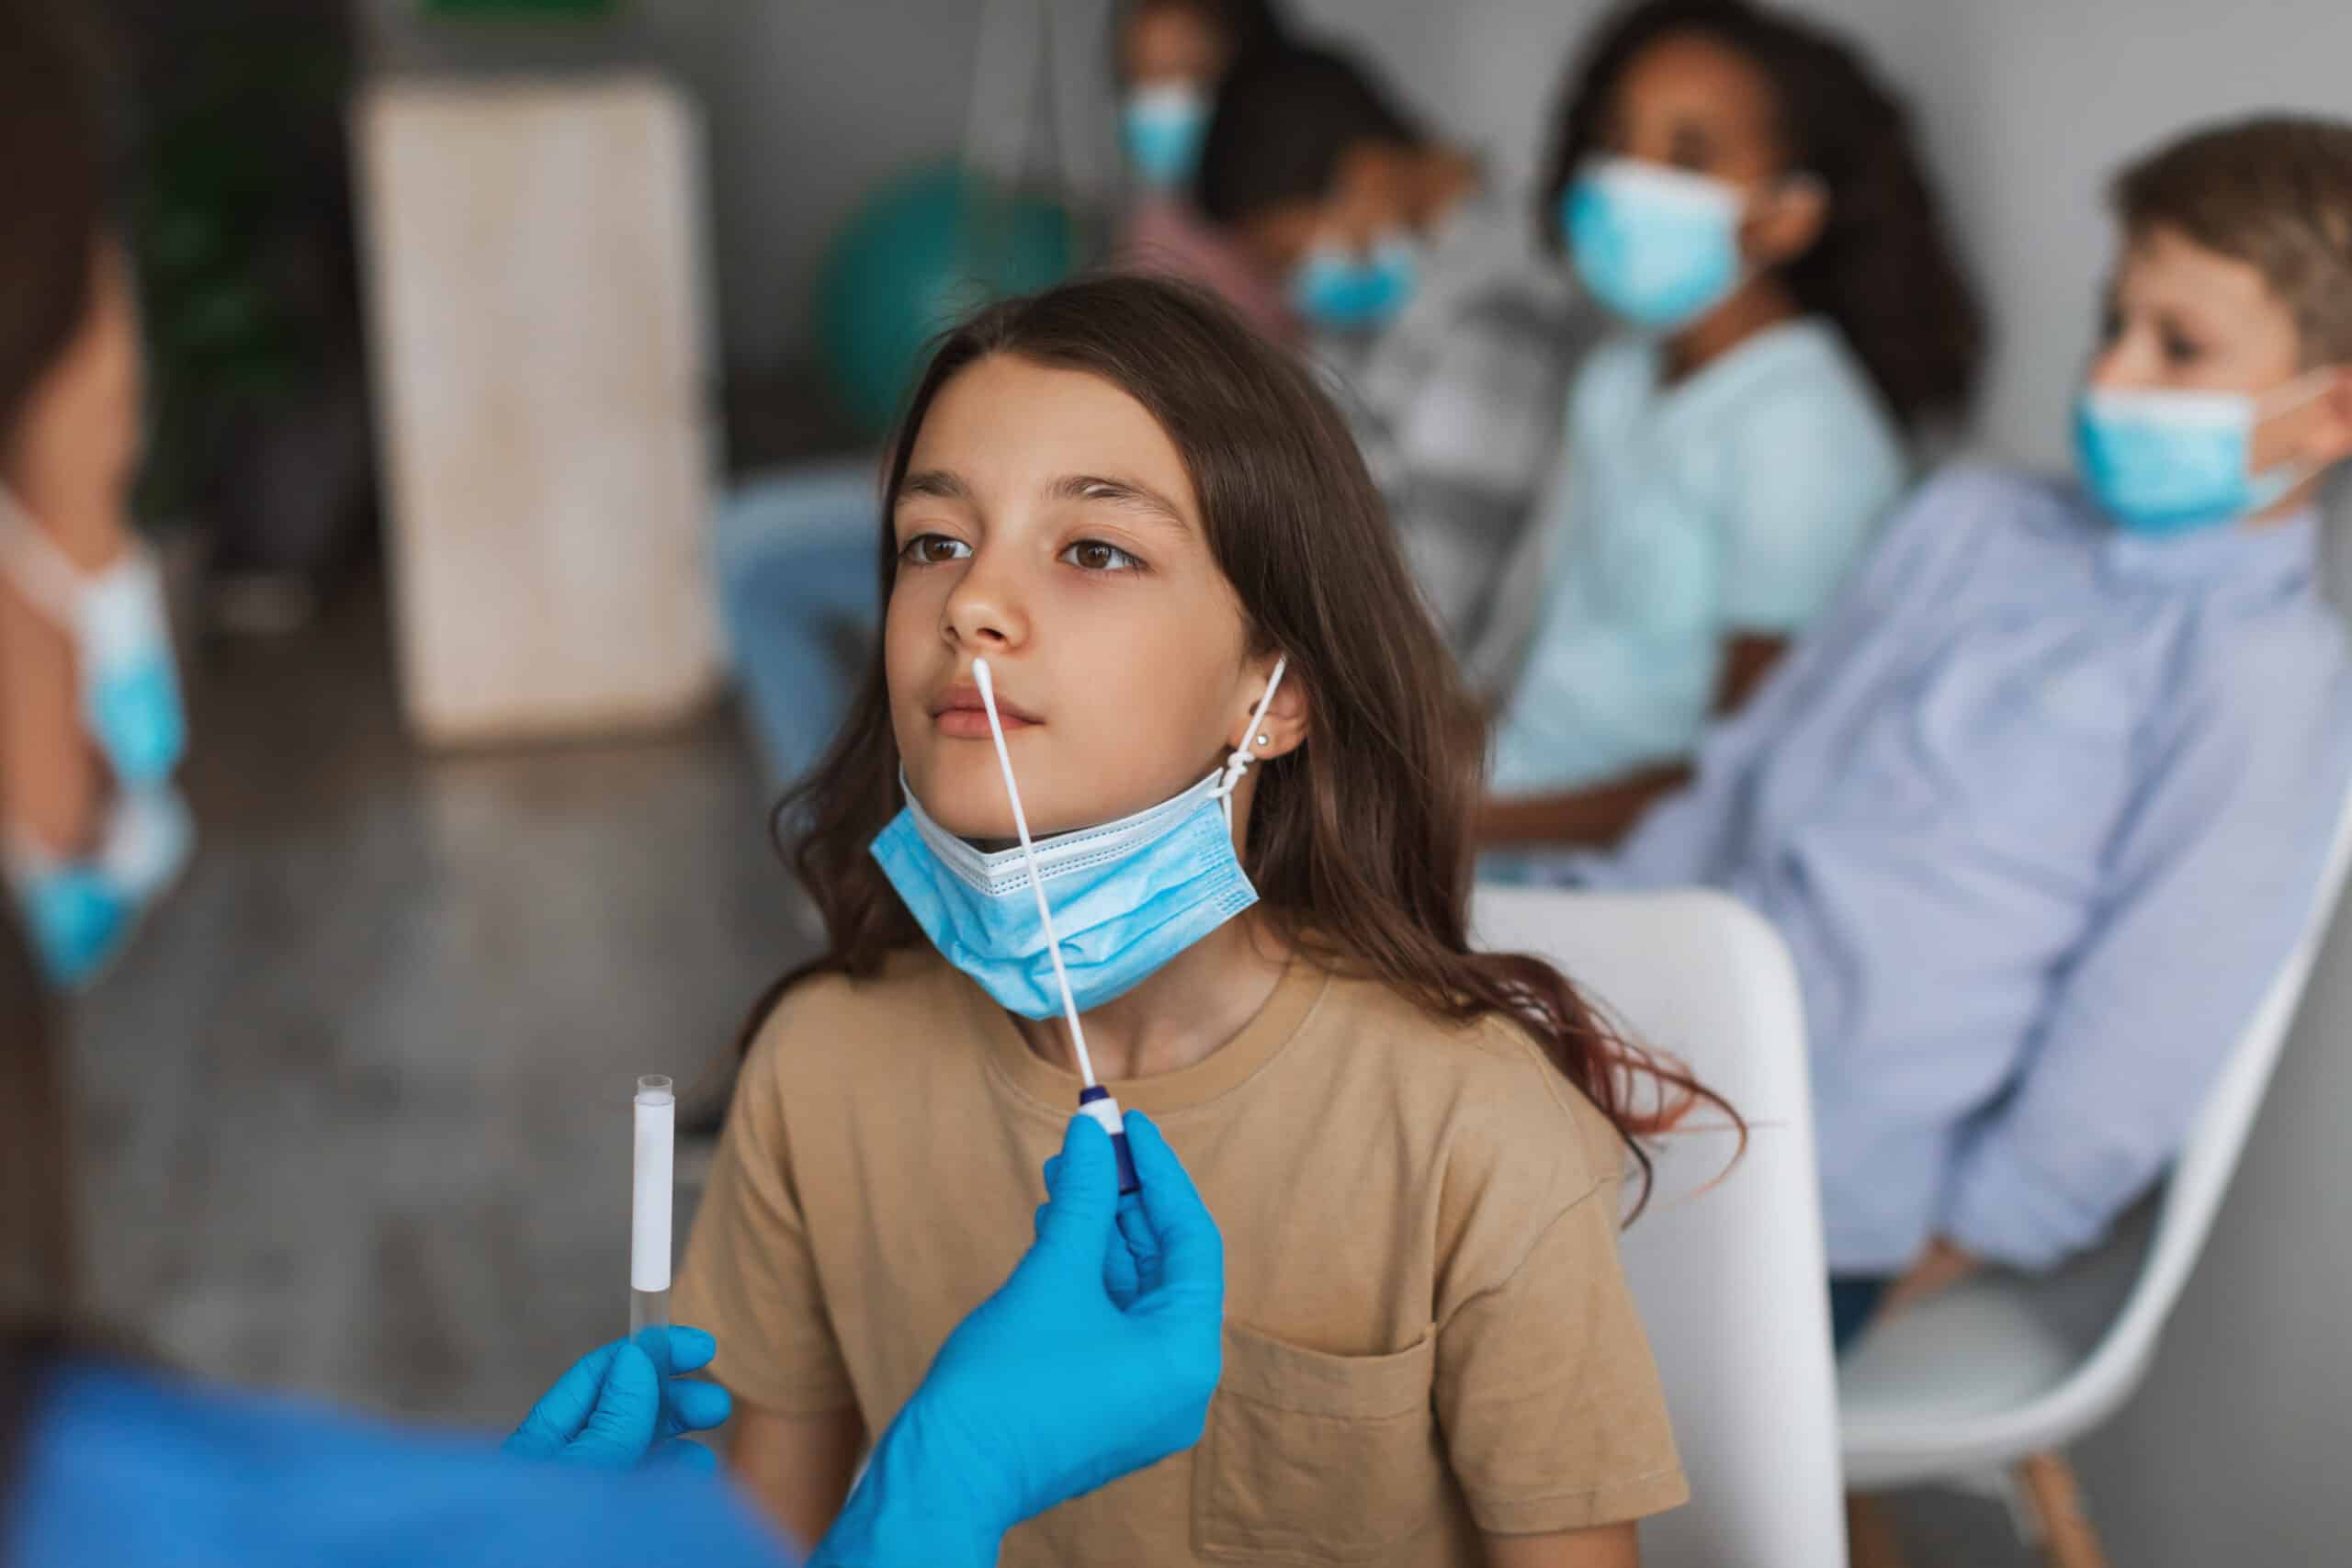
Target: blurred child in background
1172	54
1450	342
1741	193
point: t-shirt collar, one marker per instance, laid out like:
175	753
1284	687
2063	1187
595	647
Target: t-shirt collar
2254	555
1054	1089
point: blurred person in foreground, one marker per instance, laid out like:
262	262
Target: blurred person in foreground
1049	1389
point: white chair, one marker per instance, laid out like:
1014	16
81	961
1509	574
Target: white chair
1981	1387
1728	1272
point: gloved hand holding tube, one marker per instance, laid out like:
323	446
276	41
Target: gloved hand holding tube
615	1410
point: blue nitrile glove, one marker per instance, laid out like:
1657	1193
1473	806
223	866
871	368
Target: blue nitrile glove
614	1411
1054	1386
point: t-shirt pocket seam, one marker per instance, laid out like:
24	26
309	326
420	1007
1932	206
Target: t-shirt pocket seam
1364	1441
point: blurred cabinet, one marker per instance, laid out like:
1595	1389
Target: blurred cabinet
539	340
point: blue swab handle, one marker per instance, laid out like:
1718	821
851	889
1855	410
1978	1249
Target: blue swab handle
1097	1105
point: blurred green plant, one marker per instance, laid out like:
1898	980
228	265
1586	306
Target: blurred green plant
228	162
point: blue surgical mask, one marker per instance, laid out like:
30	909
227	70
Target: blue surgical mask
1126	897
1656	246
2162	461
1162	125
1336	290
122	645
82	911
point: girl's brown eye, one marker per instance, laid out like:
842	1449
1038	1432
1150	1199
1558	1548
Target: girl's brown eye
1093	555
934	550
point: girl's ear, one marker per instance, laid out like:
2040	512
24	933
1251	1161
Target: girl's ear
1788	219
2330	437
1283	728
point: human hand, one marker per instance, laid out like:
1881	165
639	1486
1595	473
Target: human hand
615	1409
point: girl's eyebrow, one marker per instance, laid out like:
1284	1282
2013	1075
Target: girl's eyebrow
941	484
1132	495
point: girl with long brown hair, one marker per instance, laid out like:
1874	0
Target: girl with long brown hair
1157	532
105	1460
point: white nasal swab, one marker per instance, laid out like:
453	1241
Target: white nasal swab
1029	859
1093	1099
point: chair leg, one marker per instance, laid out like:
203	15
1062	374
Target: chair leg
1870	1540
2068	1541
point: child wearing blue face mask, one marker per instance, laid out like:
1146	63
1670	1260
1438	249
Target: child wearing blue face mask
1171	55
1449	338
2038	806
1235	737
1740	194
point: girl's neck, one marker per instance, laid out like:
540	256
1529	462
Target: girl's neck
1762	303
1182	1015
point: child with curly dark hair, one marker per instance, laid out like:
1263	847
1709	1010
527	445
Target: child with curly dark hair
1742	193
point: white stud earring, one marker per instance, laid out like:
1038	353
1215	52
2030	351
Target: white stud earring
1265	740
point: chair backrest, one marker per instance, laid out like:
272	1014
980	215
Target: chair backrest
1727	1264
2201	1177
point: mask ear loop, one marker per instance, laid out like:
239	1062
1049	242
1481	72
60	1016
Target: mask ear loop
1237	764
37	565
1094	1102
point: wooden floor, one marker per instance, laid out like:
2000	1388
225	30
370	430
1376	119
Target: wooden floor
356	1105
355	1109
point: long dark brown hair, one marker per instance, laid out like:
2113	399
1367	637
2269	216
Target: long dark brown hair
1883	268
50	172
1358	841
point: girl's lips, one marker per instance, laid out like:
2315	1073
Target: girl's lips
972	724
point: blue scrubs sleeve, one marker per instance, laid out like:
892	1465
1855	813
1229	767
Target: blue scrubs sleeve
127	1466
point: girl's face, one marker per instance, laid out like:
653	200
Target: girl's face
1687	102
1165	43
69	462
1691	104
1048	523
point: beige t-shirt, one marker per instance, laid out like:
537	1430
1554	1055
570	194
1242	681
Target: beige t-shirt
1428	1332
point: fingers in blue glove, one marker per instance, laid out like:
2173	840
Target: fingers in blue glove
620	1428
614	1401
678	1453
688	1406
1132	1269
556	1418
1192	1251
690	1348
1082	1198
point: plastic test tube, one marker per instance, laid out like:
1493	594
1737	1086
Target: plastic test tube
649	1236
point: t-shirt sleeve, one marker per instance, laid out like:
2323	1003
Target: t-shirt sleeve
749	1277
1808	479
1547	1391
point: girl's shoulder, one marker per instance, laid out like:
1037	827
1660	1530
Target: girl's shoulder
822	1012
1490	1094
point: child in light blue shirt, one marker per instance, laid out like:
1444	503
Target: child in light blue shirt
1739	191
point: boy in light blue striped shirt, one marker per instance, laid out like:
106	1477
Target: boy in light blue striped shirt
2040	806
